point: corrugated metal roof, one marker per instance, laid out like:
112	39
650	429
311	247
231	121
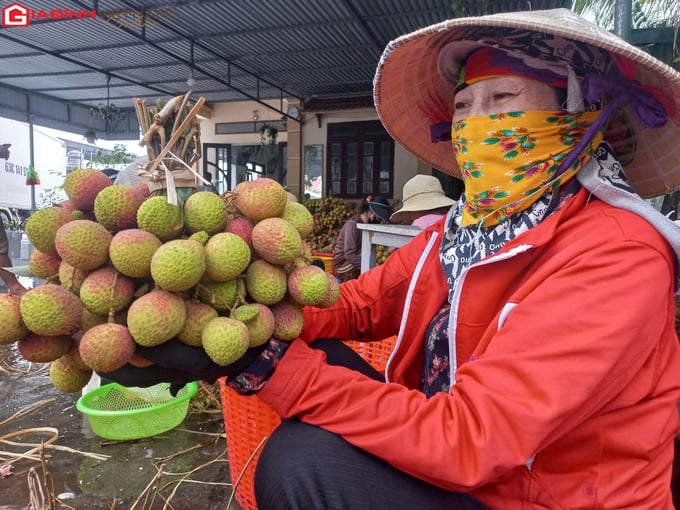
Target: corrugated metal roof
269	49
55	69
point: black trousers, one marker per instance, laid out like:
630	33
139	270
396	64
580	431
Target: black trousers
305	467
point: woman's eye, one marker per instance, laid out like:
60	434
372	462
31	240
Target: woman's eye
502	95
460	105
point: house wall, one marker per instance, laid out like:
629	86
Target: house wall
311	131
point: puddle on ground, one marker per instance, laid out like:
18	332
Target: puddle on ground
194	451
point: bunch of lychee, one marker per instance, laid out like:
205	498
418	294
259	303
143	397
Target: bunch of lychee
124	269
330	214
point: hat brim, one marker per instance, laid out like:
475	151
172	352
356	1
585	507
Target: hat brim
411	95
380	210
422	203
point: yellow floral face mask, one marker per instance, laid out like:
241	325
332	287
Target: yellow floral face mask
509	160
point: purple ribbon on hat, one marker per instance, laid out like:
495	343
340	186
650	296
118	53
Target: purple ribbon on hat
645	106
440	132
617	90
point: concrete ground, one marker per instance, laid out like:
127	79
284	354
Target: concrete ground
88	472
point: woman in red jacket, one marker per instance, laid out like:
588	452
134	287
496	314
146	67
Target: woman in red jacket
537	364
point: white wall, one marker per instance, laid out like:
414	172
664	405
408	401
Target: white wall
50	162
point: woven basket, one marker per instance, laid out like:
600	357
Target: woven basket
248	420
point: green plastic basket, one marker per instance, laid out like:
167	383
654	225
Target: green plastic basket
117	412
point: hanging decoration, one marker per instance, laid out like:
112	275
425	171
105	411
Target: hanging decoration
32	177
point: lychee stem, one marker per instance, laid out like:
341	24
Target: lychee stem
111	295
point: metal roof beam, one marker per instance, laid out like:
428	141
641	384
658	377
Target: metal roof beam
255	98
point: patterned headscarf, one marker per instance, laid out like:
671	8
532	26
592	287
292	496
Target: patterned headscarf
488	62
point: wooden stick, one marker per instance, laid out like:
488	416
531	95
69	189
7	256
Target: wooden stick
180	112
177	134
170	107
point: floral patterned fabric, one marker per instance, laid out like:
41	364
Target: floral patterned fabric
510	166
259	371
437	368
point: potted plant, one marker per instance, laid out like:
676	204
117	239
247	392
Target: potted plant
90	136
268	134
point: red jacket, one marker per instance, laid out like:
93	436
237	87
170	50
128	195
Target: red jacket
568	366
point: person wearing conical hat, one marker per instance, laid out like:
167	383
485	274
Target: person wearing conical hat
536	364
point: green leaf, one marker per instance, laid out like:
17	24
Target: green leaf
491	141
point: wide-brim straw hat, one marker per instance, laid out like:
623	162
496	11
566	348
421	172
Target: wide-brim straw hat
411	95
421	193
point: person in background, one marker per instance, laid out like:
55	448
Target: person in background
537	364
424	202
347	255
7	277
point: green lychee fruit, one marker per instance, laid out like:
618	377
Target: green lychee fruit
72	357
226	257
67	377
106	347
43	265
220	295
307	251
261	198
265	282
68	206
131	251
242	227
142	189
50	309
116	207
260	321
201	237
13	327
288	321
42	226
198	315
156	317
89	320
206	211
71	278
84	244
43	348
82	186
308	285
225	340
332	292
277	241
105	290
300	217
178	265
162	219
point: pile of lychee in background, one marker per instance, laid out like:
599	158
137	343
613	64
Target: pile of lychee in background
123	268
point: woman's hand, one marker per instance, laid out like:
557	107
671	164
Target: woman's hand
177	363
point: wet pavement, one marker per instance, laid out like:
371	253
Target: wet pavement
88	472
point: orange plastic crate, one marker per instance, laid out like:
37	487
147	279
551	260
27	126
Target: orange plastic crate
326	258
248	420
